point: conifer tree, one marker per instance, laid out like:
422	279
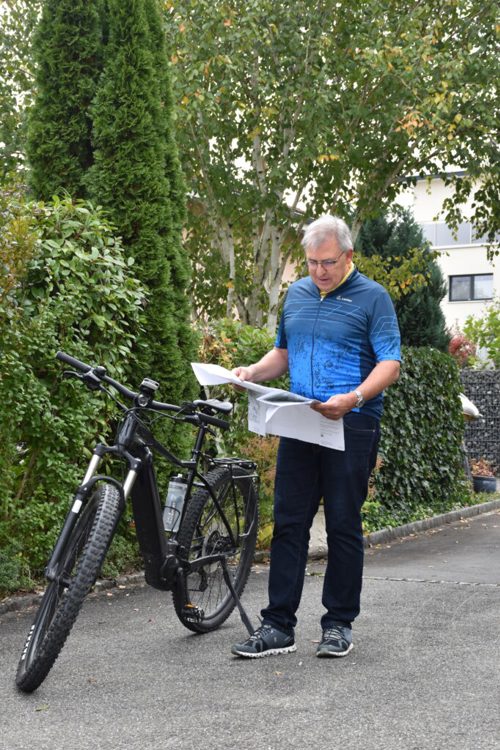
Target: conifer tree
420	317
178	259
67	50
131	178
421	320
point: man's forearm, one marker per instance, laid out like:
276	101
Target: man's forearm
381	377
271	366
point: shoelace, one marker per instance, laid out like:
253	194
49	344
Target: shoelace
260	632
333	634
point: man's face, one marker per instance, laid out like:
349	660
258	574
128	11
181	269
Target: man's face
329	276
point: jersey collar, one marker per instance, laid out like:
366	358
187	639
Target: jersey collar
349	273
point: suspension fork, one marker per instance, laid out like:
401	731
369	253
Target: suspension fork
81	496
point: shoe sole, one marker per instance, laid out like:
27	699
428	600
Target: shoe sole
268	652
324	654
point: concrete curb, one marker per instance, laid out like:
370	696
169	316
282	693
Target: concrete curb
318	545
24	601
387	535
317	550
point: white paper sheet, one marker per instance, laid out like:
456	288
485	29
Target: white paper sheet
272	411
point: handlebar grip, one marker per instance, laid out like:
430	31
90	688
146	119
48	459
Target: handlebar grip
213	420
63	357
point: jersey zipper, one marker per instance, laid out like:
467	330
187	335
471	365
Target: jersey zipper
314	342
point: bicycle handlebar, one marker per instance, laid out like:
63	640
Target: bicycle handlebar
63	357
83	367
100	374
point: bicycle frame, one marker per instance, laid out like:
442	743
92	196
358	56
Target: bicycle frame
163	561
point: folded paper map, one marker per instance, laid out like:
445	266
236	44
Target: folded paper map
273	411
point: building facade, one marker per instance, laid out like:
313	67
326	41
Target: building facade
472	280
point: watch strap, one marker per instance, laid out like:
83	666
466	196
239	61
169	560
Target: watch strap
360	398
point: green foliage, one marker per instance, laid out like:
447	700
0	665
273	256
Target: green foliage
485	332
264	451
394	251
17	239
231	343
73	290
67	51
420	316
19	18
421	472
136	177
328	107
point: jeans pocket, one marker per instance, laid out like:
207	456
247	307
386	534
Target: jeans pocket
361	440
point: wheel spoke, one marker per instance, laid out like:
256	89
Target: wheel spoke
205	533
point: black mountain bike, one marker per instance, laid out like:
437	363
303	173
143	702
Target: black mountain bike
204	560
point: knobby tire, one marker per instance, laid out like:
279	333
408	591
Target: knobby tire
80	565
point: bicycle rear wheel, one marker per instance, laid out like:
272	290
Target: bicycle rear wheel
79	567
227	527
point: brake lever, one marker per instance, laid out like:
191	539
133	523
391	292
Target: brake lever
186	408
91	381
71	374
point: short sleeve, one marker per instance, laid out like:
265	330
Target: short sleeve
384	332
280	342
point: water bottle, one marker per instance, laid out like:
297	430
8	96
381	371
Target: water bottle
174	503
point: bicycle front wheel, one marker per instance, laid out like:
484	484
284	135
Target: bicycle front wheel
227	527
79	567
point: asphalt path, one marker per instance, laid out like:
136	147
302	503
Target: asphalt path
424	672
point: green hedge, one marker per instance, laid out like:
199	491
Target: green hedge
420	470
67	284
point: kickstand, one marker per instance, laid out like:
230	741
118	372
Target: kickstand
244	617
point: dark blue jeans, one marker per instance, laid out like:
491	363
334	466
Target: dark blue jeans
305	473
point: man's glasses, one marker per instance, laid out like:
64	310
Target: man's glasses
329	263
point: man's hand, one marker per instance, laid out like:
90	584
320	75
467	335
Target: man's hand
243	373
336	406
271	366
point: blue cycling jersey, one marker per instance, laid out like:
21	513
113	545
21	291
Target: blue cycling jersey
335	341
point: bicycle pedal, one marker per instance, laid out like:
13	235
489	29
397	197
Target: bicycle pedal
191	613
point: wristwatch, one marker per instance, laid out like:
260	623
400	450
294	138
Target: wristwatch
360	399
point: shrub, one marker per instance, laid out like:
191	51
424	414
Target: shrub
231	343
485	332
462	349
421	471
263	450
73	290
67	48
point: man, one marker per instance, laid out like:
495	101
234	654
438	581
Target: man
339	339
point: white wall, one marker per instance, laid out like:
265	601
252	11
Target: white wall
461	256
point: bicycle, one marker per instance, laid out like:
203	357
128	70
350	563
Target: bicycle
205	557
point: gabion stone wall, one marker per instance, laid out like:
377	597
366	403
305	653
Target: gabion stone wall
482	437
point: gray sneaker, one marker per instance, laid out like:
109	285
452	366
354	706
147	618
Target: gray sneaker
266	641
336	641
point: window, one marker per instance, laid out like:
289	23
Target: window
440	234
445	236
477	286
